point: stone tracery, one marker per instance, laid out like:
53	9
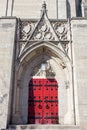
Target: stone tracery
43	30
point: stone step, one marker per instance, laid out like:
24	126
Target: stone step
43	127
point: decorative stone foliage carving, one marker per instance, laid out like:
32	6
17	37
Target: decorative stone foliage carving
48	71
62	65
2	97
67	84
61	31
27	28
44	30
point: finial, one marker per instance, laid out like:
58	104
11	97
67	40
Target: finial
44	6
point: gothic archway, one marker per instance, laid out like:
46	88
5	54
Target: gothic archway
43	95
62	74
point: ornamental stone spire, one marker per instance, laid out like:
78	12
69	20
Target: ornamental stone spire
44	10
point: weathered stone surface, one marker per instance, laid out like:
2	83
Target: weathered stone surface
3	4
72	83
60	9
43	127
25	9
7	39
79	41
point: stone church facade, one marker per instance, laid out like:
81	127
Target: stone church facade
43	59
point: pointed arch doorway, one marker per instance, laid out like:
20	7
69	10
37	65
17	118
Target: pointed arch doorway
43	101
35	69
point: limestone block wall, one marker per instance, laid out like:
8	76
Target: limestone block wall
31	9
79	43
3	4
60	9
56	8
7	39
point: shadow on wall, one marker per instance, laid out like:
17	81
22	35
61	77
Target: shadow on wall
68	9
78	8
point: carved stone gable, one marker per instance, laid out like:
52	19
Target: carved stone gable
43	29
32	31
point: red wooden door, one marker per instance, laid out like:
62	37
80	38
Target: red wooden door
43	101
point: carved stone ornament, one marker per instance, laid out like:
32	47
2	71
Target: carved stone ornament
61	31
48	71
27	28
2	97
67	84
54	31
43	30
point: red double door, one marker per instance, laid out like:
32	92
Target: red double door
43	101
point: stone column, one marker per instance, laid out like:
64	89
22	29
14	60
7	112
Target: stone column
84	9
10	7
72	8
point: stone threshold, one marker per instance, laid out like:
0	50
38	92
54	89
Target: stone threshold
43	127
